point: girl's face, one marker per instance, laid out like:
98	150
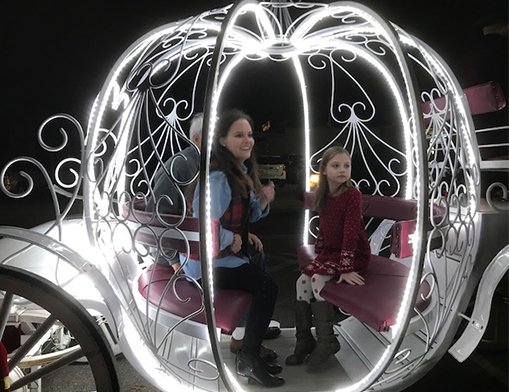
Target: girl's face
239	140
338	170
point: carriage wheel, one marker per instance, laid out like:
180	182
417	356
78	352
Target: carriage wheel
63	310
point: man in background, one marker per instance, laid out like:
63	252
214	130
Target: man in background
180	168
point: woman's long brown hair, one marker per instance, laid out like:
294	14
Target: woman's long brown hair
323	185
222	159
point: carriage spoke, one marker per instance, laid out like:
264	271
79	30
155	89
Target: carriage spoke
60	310
45	370
5	310
32	341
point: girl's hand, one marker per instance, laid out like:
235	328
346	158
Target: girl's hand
236	244
352	278
254	240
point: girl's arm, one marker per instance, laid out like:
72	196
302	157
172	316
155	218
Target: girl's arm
319	242
351	228
221	196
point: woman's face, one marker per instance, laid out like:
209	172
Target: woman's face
239	140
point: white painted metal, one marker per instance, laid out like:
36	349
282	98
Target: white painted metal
123	149
478	320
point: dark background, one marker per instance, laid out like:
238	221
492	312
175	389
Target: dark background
56	54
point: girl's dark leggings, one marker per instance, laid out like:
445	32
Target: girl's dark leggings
264	290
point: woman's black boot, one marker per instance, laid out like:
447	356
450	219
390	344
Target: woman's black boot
254	368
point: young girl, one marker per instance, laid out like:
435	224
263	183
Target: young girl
237	198
343	252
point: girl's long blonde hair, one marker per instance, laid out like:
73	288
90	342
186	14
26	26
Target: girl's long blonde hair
323	185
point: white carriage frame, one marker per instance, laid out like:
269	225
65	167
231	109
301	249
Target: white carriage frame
451	152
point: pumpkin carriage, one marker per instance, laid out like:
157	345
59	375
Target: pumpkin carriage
391	101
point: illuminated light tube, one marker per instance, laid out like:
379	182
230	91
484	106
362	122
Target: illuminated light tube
257	47
143	355
410	129
466	126
403	116
96	120
111	90
316	42
397	95
307	149
263	18
215	101
216	93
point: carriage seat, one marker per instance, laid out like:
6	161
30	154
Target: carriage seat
230	305
149	230
376	303
482	99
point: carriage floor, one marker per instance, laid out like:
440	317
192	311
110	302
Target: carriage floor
301	378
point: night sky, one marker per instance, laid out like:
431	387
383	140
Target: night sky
57	54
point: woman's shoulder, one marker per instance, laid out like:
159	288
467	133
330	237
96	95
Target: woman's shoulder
217	175
218	180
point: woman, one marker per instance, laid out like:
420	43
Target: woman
237	198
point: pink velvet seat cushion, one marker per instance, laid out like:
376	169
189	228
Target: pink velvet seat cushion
305	255
377	302
230	305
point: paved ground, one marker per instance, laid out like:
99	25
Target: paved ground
483	371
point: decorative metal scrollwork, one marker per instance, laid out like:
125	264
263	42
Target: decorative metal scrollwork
377	76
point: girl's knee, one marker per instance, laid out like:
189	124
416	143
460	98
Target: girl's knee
317	283
303	280
303	284
303	288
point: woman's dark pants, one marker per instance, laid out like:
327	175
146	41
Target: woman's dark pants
264	290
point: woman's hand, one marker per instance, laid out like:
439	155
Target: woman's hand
352	278
269	191
236	244
268	195
254	240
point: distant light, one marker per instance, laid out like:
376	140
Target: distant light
266	126
313	181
